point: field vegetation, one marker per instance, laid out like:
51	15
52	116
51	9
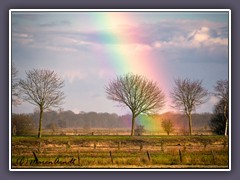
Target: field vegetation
120	152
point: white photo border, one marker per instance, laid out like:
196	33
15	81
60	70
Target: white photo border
115	10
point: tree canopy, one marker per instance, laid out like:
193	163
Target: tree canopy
187	95
136	92
42	88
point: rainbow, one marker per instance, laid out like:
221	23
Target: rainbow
152	123
127	54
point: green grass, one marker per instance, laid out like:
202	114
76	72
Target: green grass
134	158
77	139
129	154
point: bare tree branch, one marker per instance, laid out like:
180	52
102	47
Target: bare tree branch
137	93
222	90
42	88
187	95
15	91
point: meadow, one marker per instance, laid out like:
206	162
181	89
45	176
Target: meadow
120	151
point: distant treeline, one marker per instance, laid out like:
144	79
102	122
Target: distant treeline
88	120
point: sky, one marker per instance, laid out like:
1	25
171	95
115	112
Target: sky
89	49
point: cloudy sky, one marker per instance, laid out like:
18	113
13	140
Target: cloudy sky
88	49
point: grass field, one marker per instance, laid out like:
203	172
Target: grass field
120	152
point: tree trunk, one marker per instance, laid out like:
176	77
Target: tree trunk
40	123
190	123
133	125
226	118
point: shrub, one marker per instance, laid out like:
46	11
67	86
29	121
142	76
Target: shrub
168	126
218	121
139	130
22	124
52	126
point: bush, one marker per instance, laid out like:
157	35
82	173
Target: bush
218	122
22	124
168	126
53	127
139	130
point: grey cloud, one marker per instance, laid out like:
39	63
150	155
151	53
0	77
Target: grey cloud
55	24
175	34
166	31
25	16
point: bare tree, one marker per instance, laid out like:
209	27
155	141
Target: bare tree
168	126
187	95
222	92
42	88
15	91
137	93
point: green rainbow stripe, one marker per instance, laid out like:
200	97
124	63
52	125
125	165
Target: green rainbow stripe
138	60
149	122
125	52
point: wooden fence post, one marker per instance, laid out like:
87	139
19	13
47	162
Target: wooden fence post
68	146
213	155
111	156
39	147
149	157
35	156
180	156
184	147
119	145
78	157
162	150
